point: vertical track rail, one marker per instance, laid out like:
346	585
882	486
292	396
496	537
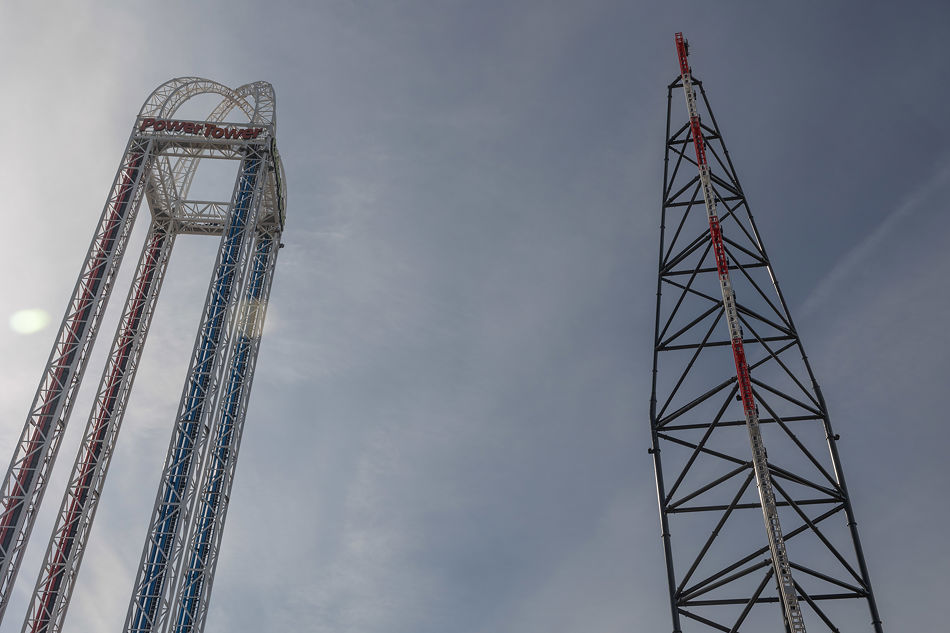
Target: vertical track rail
165	526
66	547
191	601
788	593
25	480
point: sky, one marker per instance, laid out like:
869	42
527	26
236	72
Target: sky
449	421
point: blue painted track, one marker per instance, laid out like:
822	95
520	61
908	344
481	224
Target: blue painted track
162	536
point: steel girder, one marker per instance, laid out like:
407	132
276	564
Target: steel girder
169	180
64	553
258	181
36	451
196	561
177	489
719	572
193	593
159	165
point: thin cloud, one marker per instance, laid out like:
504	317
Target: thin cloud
876	244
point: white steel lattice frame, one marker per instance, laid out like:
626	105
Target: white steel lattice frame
172	517
194	586
25	480
168	156
207	501
64	553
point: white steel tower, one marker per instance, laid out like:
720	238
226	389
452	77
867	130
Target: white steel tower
174	578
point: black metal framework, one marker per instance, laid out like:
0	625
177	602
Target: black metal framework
720	575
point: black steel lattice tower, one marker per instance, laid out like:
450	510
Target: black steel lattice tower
729	374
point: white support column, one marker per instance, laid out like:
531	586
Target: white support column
71	532
170	514
194	589
25	481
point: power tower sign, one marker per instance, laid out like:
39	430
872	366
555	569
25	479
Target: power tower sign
204	128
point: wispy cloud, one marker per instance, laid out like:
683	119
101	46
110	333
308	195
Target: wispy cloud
877	244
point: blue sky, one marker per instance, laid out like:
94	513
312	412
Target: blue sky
449	422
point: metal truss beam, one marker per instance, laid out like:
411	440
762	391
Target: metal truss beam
159	164
721	567
25	481
195	562
71	532
194	591
172	507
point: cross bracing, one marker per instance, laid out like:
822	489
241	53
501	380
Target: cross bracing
720	574
159	165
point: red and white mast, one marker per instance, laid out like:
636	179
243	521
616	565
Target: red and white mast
783	571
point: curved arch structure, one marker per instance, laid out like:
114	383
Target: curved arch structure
165	100
159	164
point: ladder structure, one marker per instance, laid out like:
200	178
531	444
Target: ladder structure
184	535
723	583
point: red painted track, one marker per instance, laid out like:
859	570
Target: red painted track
93	449
25	474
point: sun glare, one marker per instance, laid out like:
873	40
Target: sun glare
29	321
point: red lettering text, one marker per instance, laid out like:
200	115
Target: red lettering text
210	130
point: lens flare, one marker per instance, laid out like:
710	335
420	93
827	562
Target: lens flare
29	321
